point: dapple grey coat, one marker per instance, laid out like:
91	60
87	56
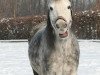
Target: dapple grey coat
48	56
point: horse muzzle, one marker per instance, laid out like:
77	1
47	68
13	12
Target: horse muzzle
62	26
61	23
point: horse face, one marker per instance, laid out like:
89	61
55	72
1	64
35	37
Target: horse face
60	17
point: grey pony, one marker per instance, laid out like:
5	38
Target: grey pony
50	56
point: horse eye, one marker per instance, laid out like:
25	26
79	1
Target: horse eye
51	8
69	7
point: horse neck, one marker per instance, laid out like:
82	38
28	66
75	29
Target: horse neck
50	37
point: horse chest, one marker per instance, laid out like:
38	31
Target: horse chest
60	53
60	58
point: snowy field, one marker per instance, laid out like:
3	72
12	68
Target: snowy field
14	58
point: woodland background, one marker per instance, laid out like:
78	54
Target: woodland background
18	17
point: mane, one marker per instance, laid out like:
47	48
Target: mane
50	36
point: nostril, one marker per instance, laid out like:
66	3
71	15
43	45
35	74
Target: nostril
57	26
65	25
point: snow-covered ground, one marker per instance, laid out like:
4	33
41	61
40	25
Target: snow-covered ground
14	58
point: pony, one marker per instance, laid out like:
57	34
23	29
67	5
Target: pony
54	49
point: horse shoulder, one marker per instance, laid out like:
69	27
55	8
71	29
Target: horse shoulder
35	29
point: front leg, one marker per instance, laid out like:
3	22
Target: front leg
74	72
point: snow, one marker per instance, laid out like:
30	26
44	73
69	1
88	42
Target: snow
98	14
92	11
89	58
3	20
14	57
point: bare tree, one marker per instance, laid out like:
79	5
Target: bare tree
98	4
